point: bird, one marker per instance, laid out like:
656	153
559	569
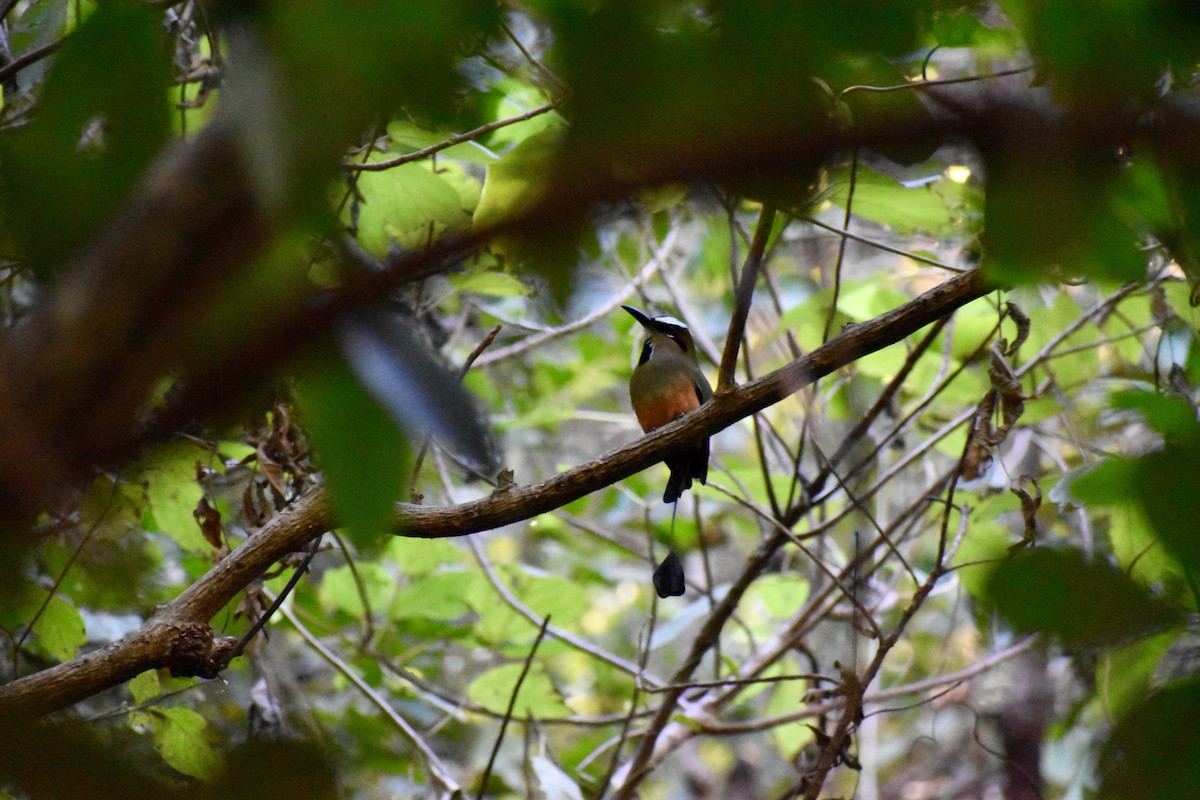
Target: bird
666	384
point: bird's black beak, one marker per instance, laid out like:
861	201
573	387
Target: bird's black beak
639	316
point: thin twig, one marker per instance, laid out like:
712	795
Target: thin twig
841	255
511	600
265	617
602	310
845	234
508	712
745	293
437	770
458	138
25	59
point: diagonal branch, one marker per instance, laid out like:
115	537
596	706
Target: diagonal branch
741	303
156	644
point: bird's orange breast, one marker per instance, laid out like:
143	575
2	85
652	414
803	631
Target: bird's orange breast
663	407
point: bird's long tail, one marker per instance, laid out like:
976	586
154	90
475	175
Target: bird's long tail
669	580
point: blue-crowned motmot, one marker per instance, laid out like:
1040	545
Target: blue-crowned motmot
666	384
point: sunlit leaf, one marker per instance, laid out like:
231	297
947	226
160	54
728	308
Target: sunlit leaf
441	596
59	629
538	696
144	687
407	206
493	284
180	736
169	474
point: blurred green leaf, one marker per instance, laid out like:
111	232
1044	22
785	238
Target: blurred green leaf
357	64
1154	752
265	769
102	116
1168	484
1103	53
492	284
1052	207
364	456
1082	603
1124	674
538	696
782	596
443	596
885	200
1170	416
340	591
419	556
518	179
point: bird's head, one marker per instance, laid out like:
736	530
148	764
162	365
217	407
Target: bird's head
663	331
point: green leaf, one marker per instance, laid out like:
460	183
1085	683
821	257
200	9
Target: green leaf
60	630
1051	210
408	138
112	509
1154	753
173	493
340	591
1123	676
983	548
781	595
490	283
1107	483
110	78
1168	484
364	456
442	596
419	556
515	182
1080	602
558	597
408	206
179	737
887	201
144	687
1168	415
338	69
786	697
539	697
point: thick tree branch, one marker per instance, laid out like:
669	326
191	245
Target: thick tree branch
156	644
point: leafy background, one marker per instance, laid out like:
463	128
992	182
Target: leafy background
396	243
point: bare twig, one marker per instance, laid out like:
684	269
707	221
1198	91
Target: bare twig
508	712
450	141
741	304
656	262
437	769
25	59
